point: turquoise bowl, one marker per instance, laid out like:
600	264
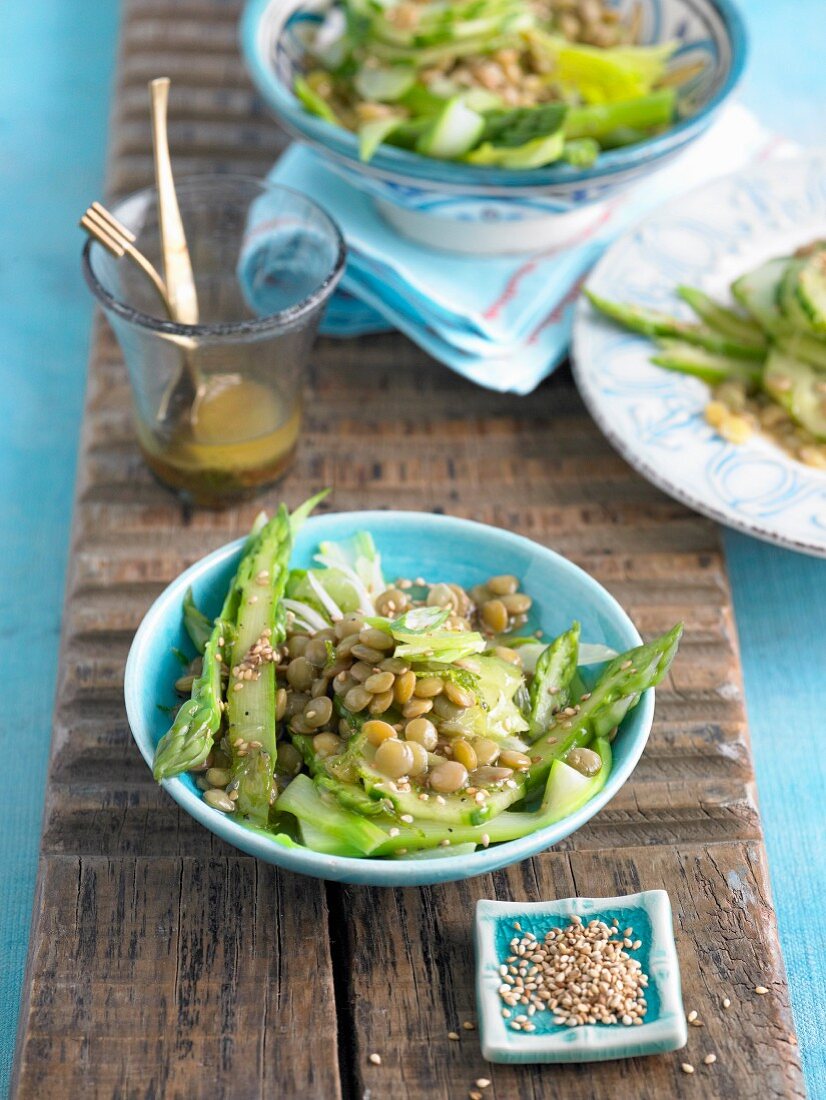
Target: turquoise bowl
411	544
664	1027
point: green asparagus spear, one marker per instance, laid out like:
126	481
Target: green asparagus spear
652	322
735	326
551	684
252	777
616	692
599	119
196	624
685	358
251	689
186	745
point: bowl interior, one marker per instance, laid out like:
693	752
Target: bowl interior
711	49
411	544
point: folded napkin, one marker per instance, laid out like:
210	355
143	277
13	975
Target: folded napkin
502	321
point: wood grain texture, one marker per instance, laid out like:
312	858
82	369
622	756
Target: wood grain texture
163	963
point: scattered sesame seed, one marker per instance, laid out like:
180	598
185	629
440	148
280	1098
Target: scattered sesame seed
469	1025
485	840
375	1059
726	1002
481	1082
406	818
697	1023
760	990
710	1059
237	687
687	1067
444	843
692	1016
474	1094
454	1035
394	831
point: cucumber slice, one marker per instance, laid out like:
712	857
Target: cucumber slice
810	349
678	355
455	809
742	330
454	132
811	290
372	134
321	841
788	301
758	291
302	799
386	84
799	387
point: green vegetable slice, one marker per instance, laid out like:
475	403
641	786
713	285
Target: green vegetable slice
758	290
453	133
551	683
742	330
799	387
196	624
686	358
652	322
314	103
811	290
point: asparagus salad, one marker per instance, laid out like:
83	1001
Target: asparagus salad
408	720
765	362
490	82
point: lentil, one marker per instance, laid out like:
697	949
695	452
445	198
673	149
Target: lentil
377	731
404	687
495	616
428	687
448	777
423	732
318	712
379	682
393	758
219	800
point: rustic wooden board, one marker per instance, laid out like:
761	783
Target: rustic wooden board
163	963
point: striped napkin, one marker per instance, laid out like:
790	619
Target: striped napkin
504	322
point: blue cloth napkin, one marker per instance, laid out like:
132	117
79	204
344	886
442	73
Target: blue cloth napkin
503	321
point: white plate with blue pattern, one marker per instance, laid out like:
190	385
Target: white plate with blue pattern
653	417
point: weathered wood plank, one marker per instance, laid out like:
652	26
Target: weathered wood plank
180	978
416	982
165	964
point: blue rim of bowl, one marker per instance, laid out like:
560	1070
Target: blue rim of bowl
401	166
284	318
378	872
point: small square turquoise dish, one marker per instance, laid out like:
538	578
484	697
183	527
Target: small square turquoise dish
648	913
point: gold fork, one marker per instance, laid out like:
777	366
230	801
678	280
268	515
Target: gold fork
180	398
105	228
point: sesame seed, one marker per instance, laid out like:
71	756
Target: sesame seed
692	1016
406	818
726	1002
474	1094
394	831
375	1059
444	843
481	1082
710	1059
687	1067
760	990
469	1025
454	1035
237	687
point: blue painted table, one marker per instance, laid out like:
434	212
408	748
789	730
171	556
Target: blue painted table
55	82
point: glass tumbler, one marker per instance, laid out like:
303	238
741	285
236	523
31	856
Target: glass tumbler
217	404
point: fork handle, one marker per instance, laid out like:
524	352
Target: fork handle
180	284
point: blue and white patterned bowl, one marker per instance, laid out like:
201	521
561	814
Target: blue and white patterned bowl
654	417
411	544
477	209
